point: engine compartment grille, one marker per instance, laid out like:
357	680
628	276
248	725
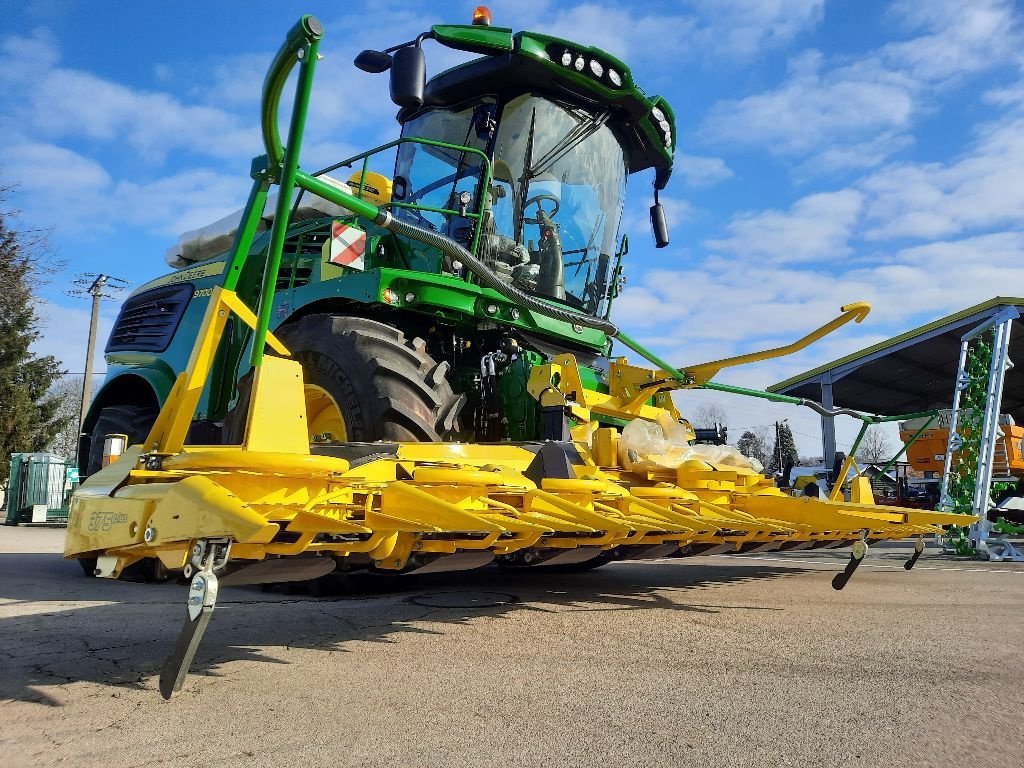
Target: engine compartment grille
147	322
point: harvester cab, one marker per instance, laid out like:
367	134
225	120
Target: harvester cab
538	136
287	400
562	127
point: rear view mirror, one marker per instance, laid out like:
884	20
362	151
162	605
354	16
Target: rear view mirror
373	61
408	76
659	225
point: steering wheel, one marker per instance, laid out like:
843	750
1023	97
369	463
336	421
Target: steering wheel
540	208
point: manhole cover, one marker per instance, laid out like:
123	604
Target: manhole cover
463	599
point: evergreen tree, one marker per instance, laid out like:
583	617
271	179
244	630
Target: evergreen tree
755	445
29	416
783	449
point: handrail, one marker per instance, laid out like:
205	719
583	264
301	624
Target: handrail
301	45
347	163
306	31
365	157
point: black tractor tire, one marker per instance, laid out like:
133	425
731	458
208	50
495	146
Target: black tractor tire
385	386
132	420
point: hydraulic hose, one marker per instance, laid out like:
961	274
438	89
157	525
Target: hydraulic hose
457	253
832	413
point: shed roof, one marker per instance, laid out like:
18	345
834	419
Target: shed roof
914	371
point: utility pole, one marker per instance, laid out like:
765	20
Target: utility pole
96	286
96	291
778	449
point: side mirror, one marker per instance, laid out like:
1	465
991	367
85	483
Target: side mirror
408	76
373	61
659	225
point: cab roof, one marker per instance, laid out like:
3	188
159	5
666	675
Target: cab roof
528	62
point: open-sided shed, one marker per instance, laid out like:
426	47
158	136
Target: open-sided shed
914	371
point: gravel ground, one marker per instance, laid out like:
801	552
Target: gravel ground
716	661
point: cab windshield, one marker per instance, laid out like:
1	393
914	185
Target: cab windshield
552	212
555	202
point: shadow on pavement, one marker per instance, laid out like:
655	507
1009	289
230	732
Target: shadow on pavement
60	627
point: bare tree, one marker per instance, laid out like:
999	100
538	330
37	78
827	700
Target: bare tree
69	392
709	416
875	447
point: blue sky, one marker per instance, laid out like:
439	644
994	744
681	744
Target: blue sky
829	152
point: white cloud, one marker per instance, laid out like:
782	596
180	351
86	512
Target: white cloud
46	168
857	111
61	186
731	306
22	58
56	102
727	306
813	108
983	188
150	122
961	38
180	202
748	27
861	155
1011	96
700	171
65	333
816	229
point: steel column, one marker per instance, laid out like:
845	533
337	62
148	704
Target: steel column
828	425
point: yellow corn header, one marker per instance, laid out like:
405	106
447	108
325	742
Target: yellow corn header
268	510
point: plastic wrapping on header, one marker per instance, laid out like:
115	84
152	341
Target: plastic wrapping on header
647	446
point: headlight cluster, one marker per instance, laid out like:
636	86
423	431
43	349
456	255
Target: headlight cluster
581	63
660	119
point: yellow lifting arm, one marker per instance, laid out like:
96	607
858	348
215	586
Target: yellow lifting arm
631	388
704	372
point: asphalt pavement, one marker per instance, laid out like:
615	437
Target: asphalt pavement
711	661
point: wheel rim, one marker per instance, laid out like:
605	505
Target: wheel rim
326	424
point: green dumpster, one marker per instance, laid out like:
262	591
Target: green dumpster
40	488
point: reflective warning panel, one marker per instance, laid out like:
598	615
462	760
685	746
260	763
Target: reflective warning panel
348	246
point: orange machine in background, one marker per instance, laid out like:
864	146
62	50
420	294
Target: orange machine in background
928	452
